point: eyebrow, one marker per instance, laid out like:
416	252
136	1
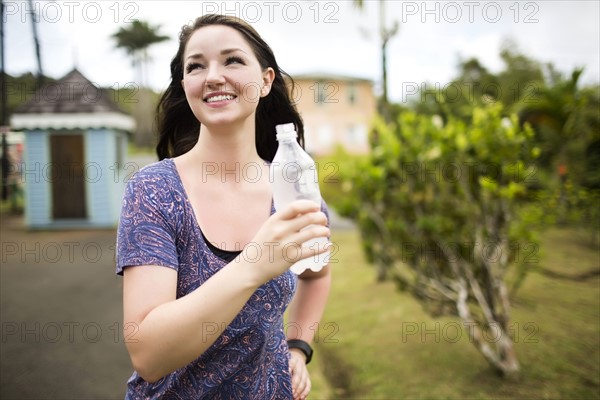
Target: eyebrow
223	52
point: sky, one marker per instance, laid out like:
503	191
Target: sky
309	36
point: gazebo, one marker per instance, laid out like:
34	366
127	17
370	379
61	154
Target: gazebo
73	162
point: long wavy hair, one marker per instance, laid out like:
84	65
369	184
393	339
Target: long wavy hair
178	127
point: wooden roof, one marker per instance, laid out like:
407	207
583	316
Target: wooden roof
73	93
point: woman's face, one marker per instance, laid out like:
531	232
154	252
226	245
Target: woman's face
222	78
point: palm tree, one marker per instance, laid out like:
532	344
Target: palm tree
565	119
567	125
385	34
135	40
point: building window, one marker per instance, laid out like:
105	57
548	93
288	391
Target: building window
352	93
356	135
318	92
325	92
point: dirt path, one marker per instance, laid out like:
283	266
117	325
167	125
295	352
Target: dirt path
60	313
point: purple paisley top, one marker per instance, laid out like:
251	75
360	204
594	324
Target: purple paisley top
250	358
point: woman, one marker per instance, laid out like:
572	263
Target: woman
205	258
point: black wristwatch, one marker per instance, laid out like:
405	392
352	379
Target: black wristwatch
302	346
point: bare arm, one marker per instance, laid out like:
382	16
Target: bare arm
173	332
305	313
308	305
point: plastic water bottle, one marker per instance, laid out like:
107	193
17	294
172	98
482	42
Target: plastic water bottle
294	177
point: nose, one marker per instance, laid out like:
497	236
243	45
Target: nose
214	75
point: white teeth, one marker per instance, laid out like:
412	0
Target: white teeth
221	97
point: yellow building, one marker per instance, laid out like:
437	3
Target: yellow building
336	110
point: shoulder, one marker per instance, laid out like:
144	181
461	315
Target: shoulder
154	178
164	169
153	197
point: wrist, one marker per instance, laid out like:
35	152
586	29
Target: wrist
299	353
246	273
302	346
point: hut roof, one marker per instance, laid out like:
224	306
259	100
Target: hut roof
73	93
71	102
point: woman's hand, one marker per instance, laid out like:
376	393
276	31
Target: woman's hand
278	243
300	378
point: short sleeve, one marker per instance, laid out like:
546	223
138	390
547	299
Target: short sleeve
146	232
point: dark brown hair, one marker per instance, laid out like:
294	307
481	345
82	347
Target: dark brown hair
178	128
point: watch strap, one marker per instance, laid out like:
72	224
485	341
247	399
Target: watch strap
302	346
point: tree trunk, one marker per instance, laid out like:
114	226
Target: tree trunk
503	358
144	118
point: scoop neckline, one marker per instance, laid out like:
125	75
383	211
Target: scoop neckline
188	204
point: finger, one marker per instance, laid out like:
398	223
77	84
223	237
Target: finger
301	223
294	376
303	387
304	220
299	376
298	207
296	240
307	388
293	252
310	232
297	386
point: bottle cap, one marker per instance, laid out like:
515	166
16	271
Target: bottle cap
286	131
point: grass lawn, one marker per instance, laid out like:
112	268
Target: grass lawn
378	343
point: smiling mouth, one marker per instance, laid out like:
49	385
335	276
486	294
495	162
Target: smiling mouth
220	97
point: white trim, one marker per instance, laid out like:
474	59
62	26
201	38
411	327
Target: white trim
107	120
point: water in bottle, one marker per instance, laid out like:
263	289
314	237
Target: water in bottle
294	177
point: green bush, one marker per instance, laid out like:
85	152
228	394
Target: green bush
438	208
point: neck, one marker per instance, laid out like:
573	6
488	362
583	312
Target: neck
225	152
225	143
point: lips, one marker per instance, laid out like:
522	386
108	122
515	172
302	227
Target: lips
219	97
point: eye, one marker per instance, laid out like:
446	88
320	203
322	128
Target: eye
234	60
193	66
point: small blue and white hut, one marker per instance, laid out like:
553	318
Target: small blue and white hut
73	162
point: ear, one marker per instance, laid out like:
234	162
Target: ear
268	78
